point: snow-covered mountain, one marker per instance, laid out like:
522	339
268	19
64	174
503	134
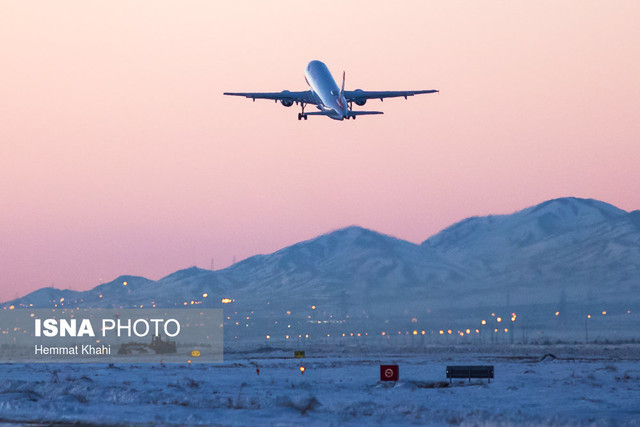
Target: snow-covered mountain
582	248
572	256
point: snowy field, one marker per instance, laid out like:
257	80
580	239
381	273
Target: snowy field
585	385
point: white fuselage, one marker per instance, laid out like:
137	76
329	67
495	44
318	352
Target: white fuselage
324	87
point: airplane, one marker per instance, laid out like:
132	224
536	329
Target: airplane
331	101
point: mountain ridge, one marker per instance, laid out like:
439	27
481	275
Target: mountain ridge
353	237
583	251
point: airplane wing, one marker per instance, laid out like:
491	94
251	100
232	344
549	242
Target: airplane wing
286	97
359	95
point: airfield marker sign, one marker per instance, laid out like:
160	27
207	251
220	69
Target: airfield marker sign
389	373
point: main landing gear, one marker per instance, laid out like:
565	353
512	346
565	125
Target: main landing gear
302	115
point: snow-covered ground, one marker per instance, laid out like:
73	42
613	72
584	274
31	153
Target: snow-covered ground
585	385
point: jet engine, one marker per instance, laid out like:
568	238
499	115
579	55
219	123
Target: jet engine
286	102
360	101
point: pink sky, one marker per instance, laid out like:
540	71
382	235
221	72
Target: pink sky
119	154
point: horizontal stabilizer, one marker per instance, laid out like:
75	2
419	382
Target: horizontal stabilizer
318	113
364	113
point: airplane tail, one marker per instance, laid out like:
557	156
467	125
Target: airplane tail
344	74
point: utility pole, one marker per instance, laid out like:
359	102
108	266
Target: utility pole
586	330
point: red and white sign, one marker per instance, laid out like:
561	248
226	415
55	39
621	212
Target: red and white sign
389	373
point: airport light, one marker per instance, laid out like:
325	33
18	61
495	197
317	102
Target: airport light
484	322
415	332
604	313
441	332
302	369
499	319
205	295
557	313
468	331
